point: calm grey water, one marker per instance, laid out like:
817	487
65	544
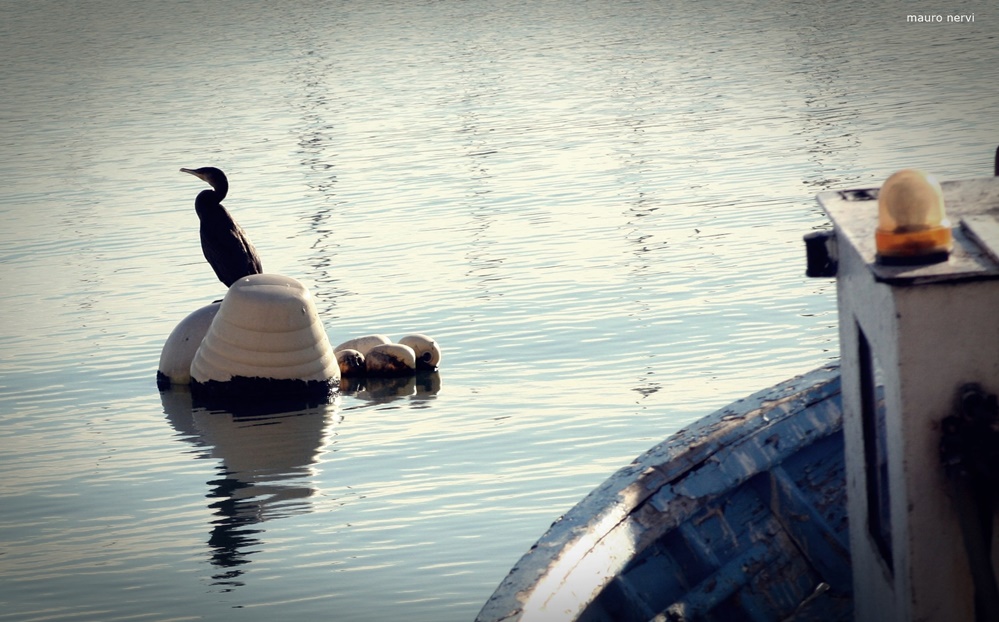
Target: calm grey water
595	206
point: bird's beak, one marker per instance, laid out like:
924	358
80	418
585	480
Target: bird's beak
193	172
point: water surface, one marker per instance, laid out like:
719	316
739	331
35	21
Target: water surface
595	207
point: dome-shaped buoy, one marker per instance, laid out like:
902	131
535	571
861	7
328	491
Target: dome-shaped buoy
181	345
390	359
267	339
428	353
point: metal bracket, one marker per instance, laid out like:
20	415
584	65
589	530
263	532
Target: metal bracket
820	254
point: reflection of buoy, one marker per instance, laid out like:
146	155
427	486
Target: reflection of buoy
181	345
390	359
428	353
267	338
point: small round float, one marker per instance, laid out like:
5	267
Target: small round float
265	339
390	359
427	351
351	362
363	344
378	356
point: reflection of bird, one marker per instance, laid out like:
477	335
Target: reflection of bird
997	163
225	244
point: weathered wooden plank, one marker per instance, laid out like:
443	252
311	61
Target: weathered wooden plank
707	594
800	513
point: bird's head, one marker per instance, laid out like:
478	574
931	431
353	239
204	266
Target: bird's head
211	175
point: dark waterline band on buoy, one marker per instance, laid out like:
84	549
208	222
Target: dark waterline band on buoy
242	389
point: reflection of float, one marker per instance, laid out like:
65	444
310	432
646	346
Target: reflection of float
418	386
267	465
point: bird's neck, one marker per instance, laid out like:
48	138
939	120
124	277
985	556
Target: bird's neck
221	186
209	204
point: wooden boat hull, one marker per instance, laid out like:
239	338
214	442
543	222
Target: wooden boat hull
741	516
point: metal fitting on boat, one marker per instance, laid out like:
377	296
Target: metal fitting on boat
820	254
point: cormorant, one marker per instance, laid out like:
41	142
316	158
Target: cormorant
225	244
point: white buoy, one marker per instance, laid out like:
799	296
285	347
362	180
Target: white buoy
181	345
266	338
428	353
390	359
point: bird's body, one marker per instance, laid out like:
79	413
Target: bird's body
226	246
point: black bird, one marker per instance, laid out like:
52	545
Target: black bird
225	244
